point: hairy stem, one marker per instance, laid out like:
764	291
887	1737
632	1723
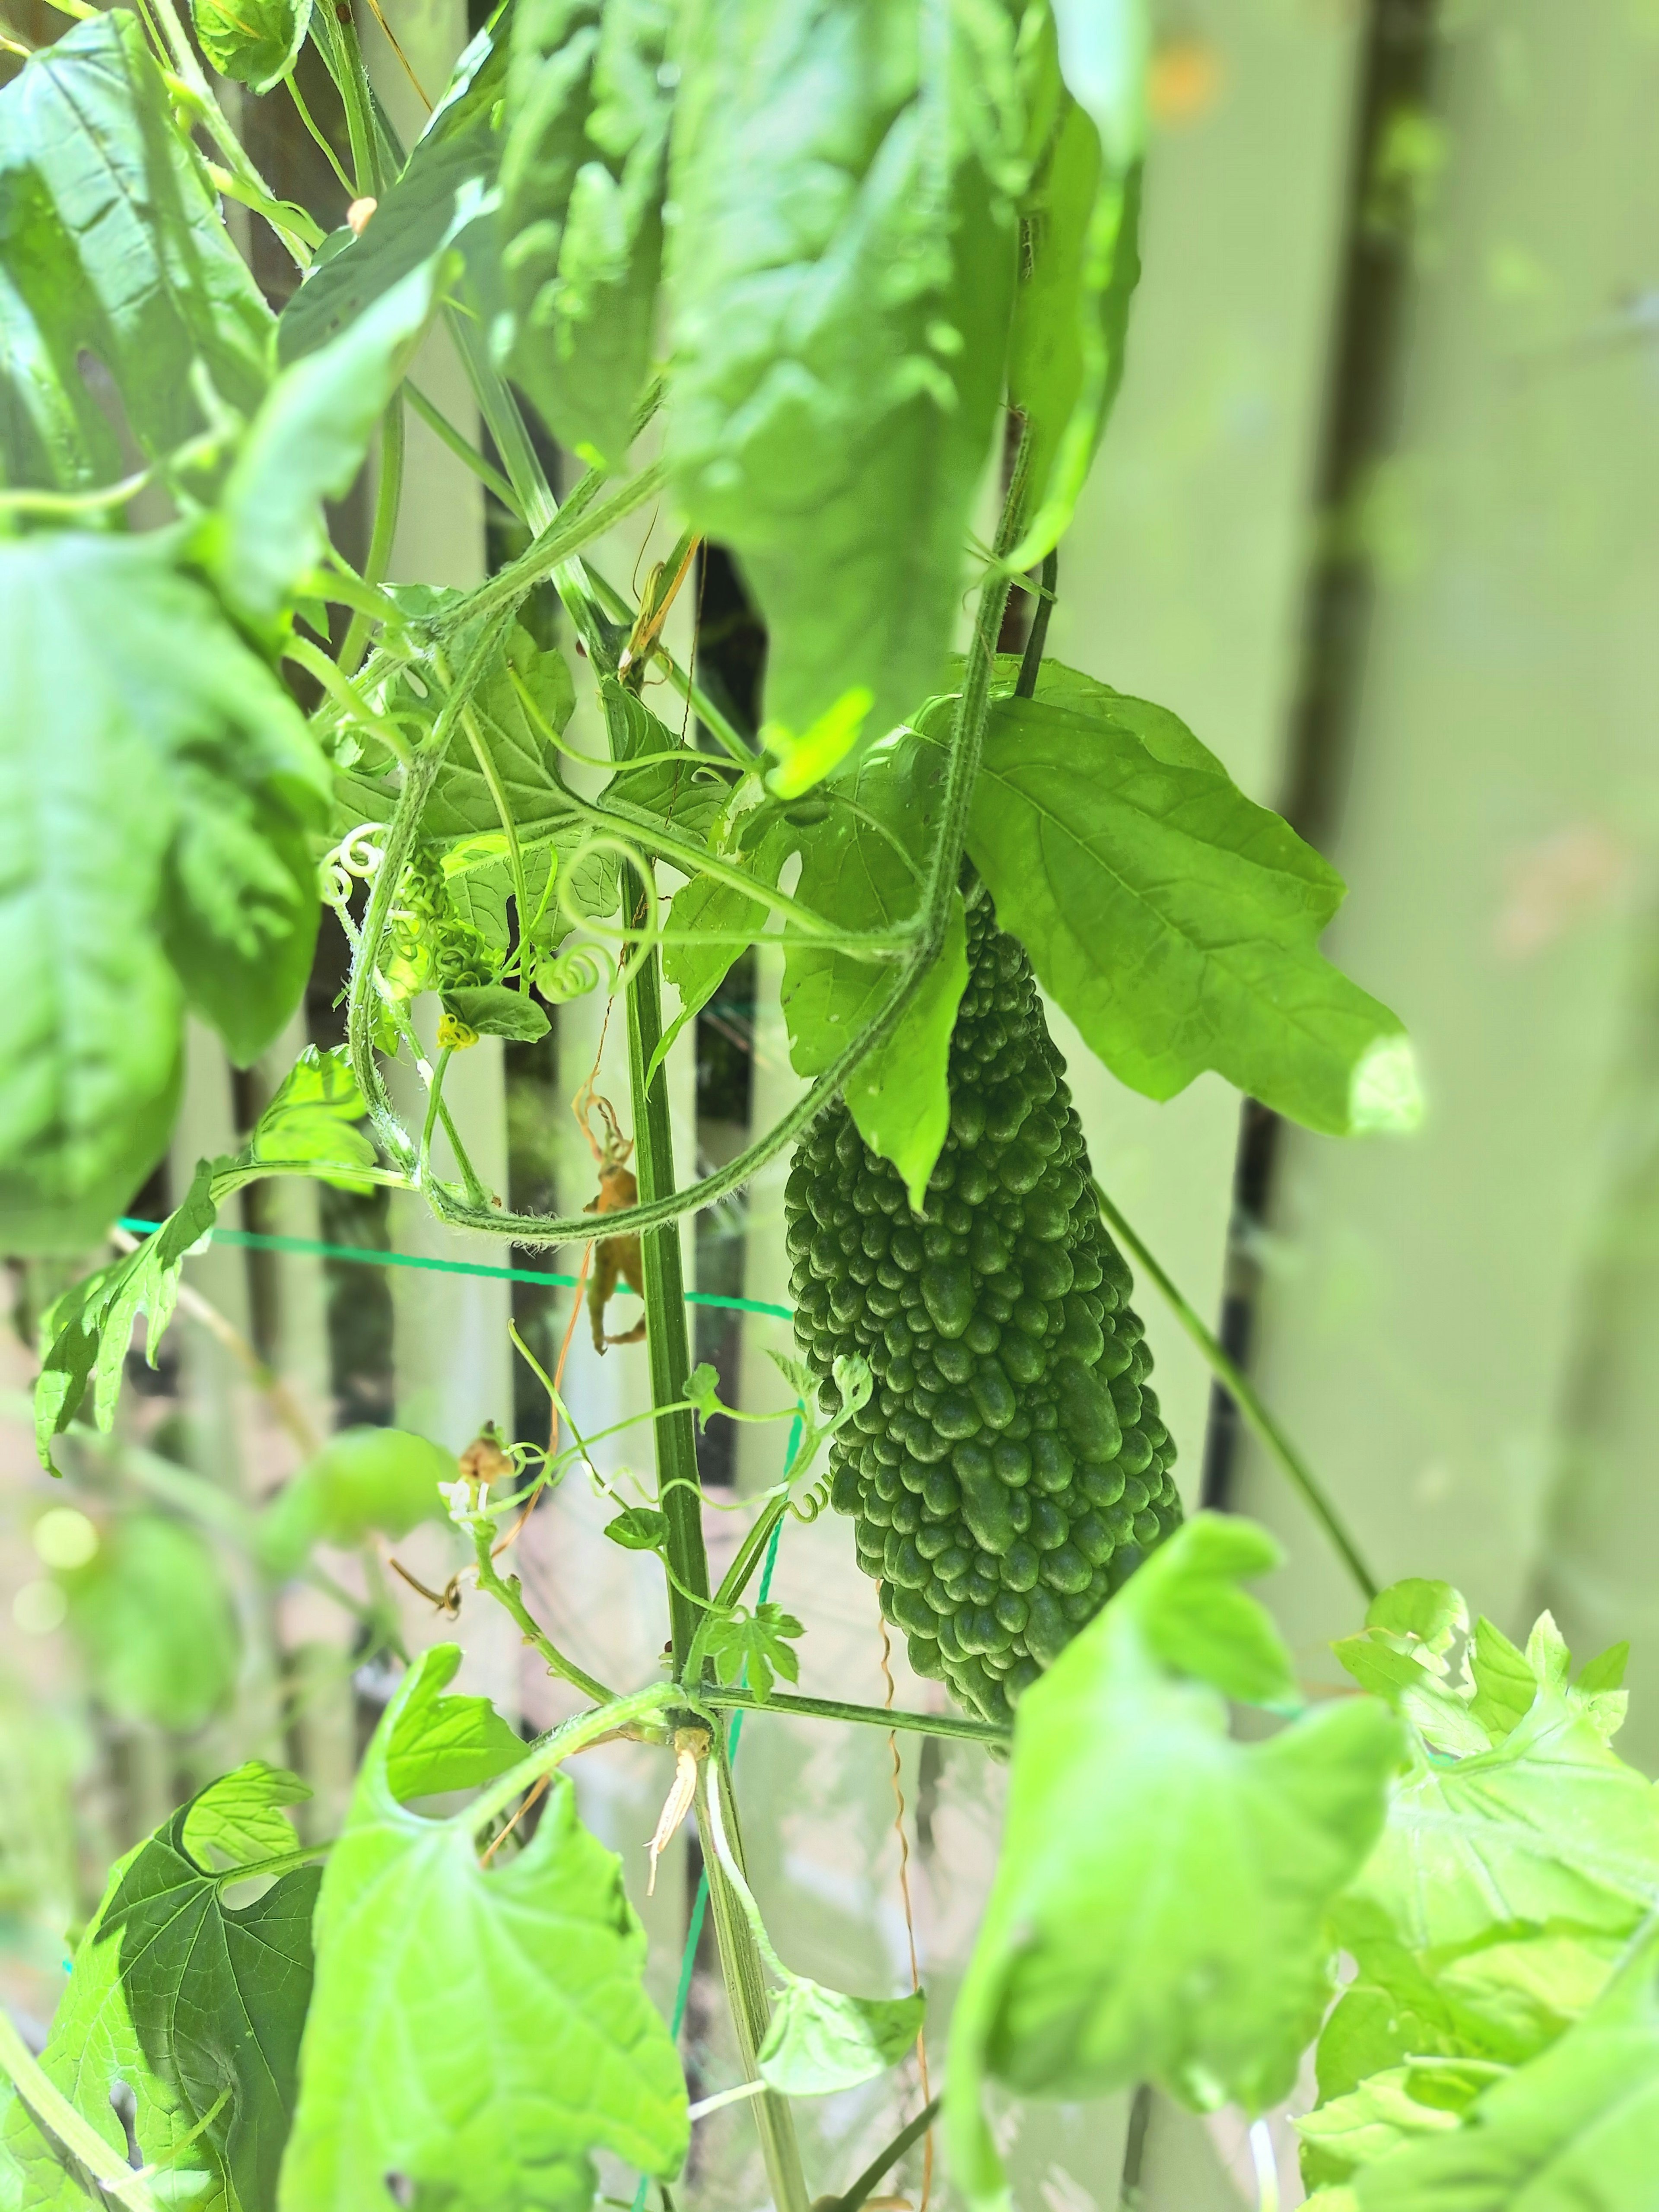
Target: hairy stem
1243	1392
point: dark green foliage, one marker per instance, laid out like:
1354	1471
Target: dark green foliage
1012	1468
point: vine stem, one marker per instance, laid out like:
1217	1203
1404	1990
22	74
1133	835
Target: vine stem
680	1491
886	1717
507	1594
1242	1392
190	74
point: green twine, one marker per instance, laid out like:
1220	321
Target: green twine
363	1256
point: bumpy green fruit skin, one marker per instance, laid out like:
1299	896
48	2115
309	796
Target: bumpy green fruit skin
1010	1468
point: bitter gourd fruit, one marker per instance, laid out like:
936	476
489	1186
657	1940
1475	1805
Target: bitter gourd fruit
1010	1468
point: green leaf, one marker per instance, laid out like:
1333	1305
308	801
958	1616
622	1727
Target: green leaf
1508	2000
160	801
702	1389
1549	1830
820	2041
638	1528
435	204
238	1820
255	41
683	793
441	1742
1071	320
306	444
505	2034
364	1480
493	1009
522	690
86	1333
1174	921
1158	1908
217	1998
589	101
113	253
862	870
197	2009
1378	2118
841	270
748	1647
153	1618
311	1118
705	907
92	2049
1575	2130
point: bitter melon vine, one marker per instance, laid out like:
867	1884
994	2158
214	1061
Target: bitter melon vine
842	258
1011	1468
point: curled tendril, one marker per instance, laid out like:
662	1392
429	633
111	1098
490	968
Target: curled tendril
811	1502
355	860
645	941
574	970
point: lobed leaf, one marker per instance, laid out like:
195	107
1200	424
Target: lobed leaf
306	444
505	2035
86	1332
820	2042
1158	1908
440	200
312	1118
1575	2130
116	268
197	2009
440	1741
1174	921
238	1820
256	41
154	848
583	167
841	272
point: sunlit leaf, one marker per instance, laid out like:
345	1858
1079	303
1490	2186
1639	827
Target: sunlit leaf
180	784
863	869
196	2009
444	1741
841	270
504	2036
1158	1913
589	99
255	41
1174	921
238	1820
820	2041
1575	2130
115	268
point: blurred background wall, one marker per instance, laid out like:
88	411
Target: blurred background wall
1379	517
